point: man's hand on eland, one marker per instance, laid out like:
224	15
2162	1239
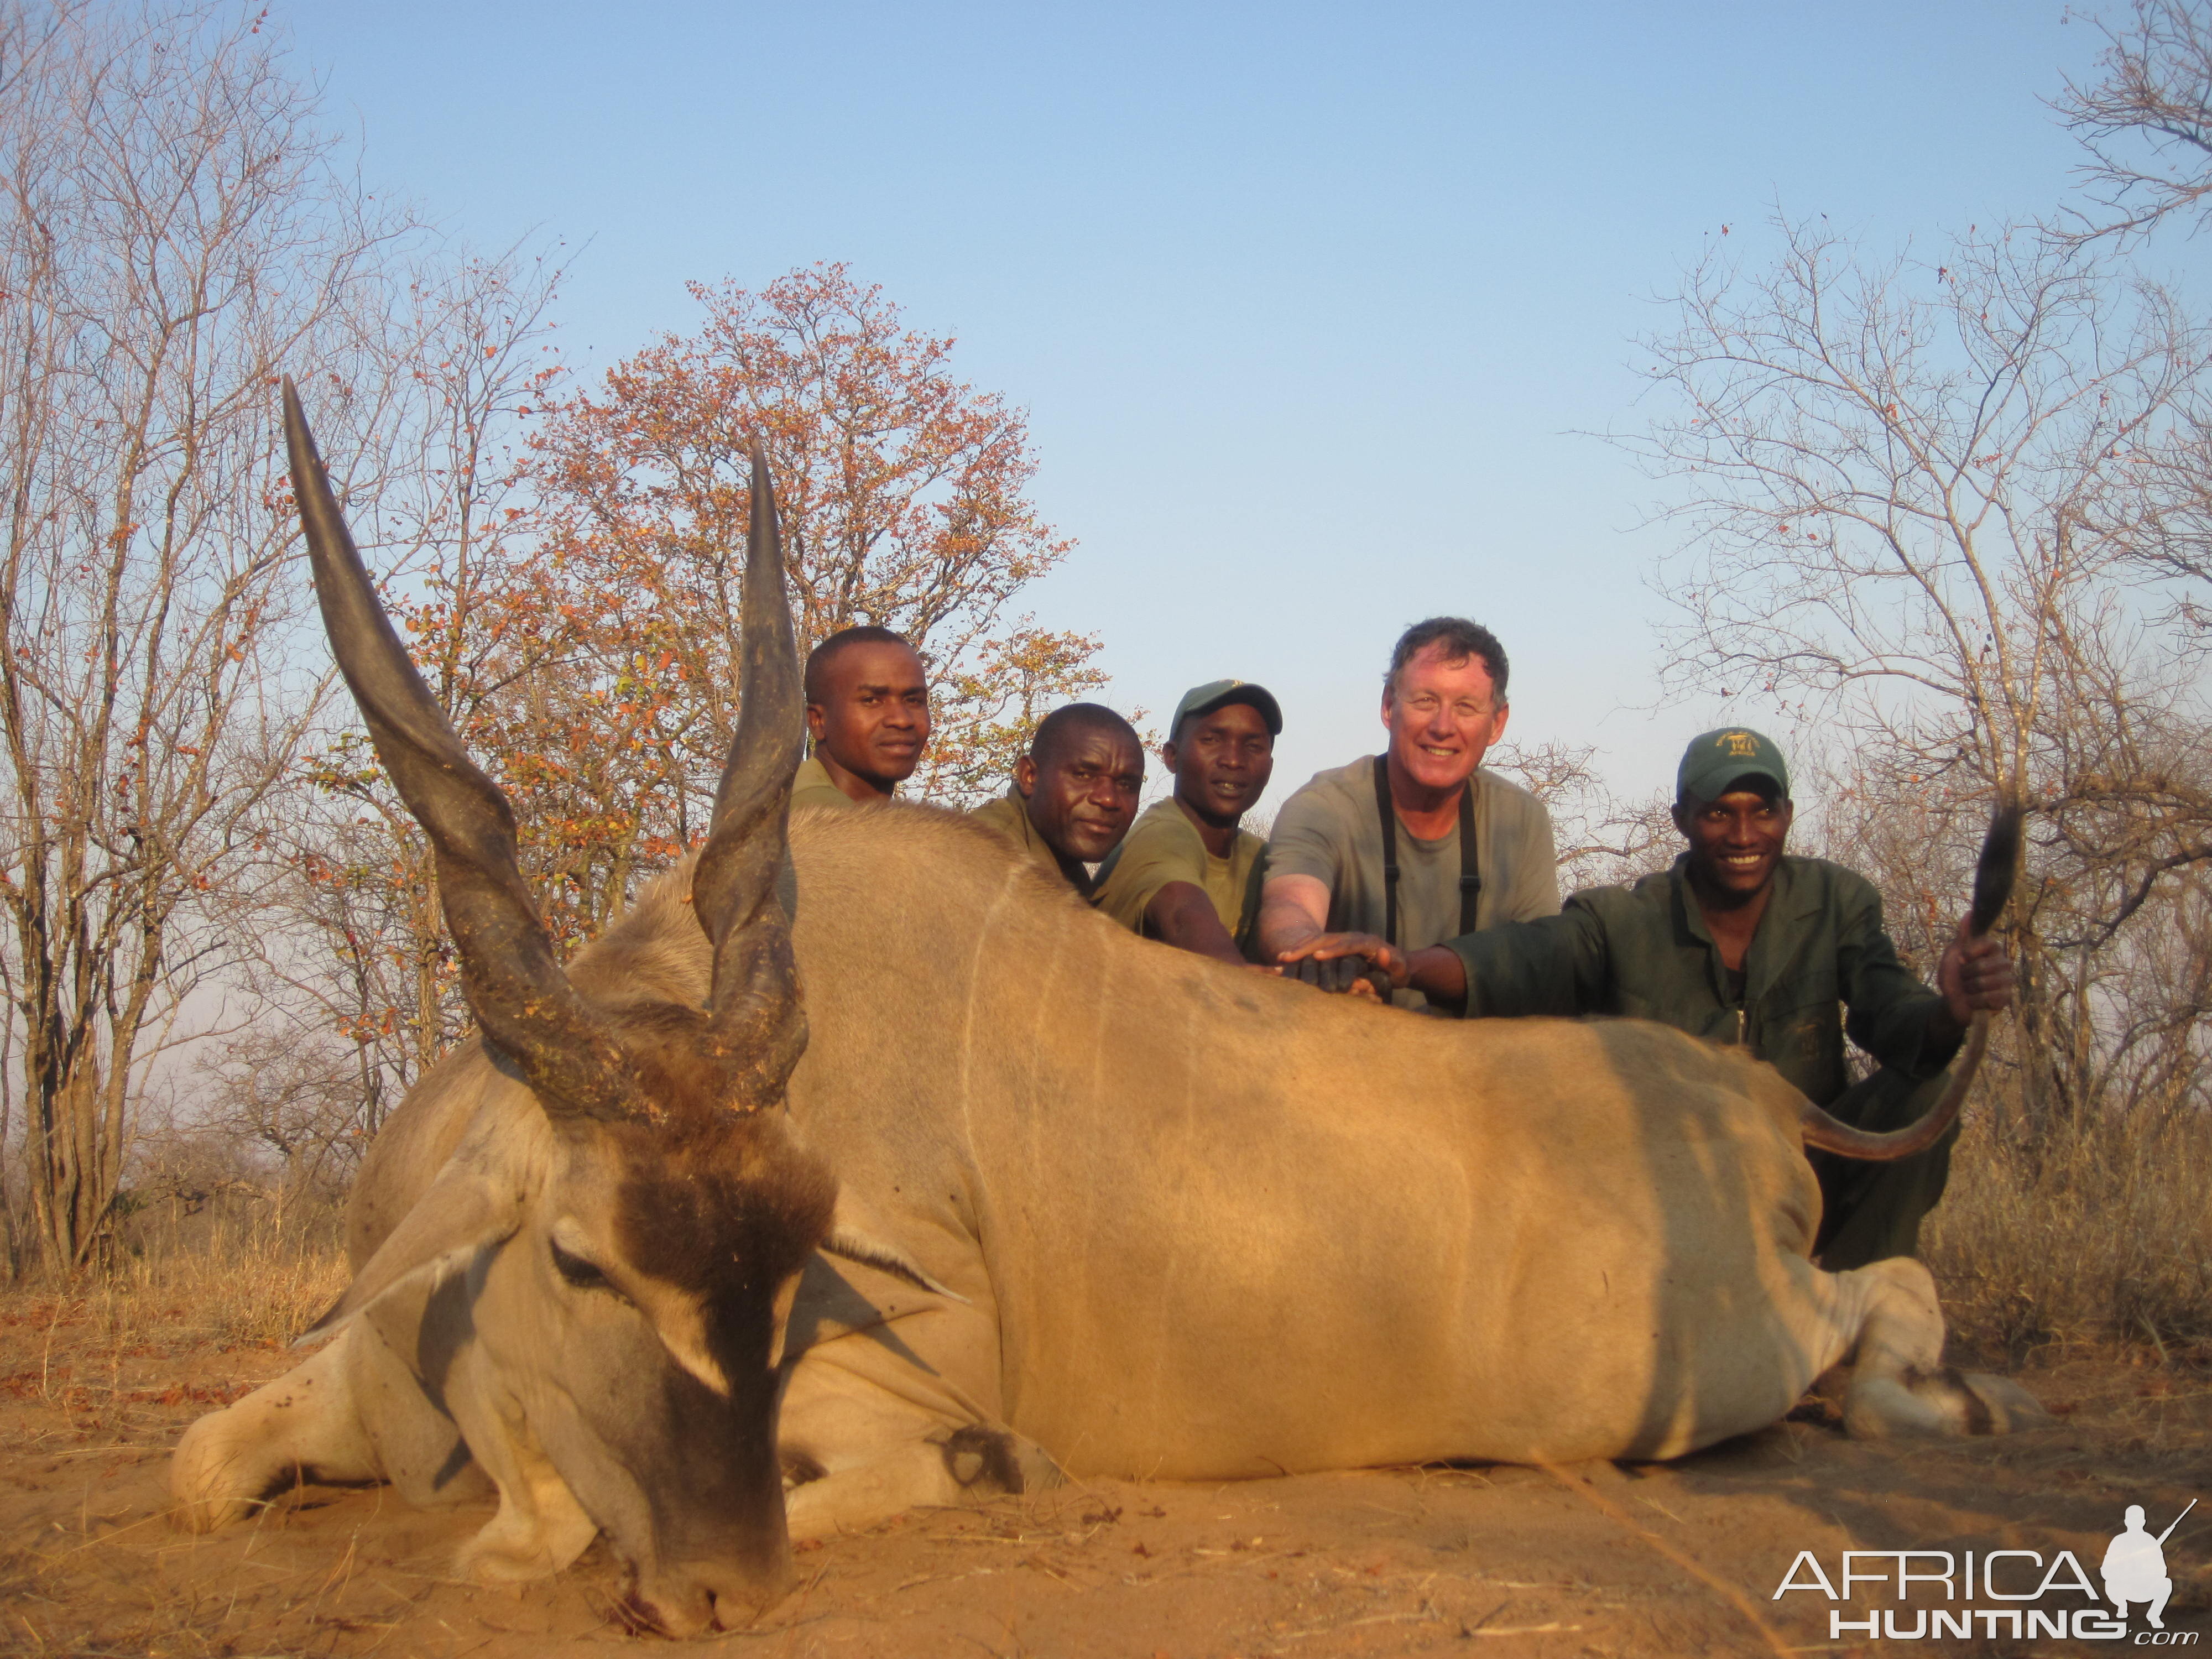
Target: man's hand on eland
1385	968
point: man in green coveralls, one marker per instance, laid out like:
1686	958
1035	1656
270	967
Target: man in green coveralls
1740	943
868	712
1074	792
1188	875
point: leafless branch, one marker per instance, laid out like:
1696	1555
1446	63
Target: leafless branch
2146	123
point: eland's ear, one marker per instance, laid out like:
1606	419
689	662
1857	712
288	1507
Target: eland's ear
854	1234
462	1211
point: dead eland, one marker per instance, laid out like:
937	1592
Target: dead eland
1098	1206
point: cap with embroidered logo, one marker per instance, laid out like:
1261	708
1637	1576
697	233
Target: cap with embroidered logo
1218	693
1715	760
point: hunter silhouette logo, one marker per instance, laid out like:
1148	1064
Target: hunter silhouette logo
1740	745
1935	1595
2135	1566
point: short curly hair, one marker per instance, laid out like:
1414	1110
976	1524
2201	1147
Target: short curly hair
1459	639
1064	722
819	659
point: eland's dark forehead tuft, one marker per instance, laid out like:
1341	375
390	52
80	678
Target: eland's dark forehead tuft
722	1208
710	1200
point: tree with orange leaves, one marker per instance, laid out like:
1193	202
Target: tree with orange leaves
575	613
903	491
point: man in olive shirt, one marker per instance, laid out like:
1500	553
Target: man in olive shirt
1471	850
1188	875
1741	944
868	712
1074	792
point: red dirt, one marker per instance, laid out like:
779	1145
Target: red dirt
1677	1559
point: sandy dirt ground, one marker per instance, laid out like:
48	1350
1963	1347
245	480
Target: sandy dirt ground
1673	1560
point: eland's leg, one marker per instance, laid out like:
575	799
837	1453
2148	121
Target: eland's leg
417	1441
859	1452
304	1423
1884	1321
540	1528
1900	1384
964	1466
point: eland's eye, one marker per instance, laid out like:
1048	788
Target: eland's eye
578	1272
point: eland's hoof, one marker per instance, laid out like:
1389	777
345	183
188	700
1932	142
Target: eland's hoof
2010	1407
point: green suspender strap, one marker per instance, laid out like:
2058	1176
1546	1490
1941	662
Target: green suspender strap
1470	876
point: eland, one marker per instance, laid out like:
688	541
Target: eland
576	1245
1099	1206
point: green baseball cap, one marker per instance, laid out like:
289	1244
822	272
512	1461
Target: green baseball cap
1217	693
1716	759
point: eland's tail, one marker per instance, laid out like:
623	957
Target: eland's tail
1993	878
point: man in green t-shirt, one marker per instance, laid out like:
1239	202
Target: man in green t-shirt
1742	945
1188	875
1471	850
868	712
1074	792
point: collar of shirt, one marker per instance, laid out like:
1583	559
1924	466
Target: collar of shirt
1786	907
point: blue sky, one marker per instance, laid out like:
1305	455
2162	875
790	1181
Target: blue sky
1308	304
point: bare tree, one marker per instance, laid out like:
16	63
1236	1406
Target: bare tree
289	1092
2146	122
2120	981
440	512
1912	489
1602	839
172	229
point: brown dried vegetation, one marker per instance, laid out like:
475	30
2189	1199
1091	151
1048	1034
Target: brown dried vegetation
1675	1559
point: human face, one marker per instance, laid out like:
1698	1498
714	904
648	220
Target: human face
1443	716
1735	842
873	718
1222	763
1083	796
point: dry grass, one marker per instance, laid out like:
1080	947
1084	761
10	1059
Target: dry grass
250	1287
236	1281
2082	1241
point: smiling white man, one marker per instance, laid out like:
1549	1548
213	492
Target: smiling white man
1419	844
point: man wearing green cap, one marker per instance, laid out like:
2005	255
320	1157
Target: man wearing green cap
1741	944
1186	874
